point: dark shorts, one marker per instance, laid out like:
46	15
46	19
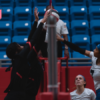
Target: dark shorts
98	94
19	96
15	96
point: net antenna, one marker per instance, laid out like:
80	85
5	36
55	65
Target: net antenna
50	3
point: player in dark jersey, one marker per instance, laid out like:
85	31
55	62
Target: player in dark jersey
24	83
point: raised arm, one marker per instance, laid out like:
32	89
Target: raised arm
74	46
35	38
33	53
34	25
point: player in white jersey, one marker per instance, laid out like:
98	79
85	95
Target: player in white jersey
95	69
82	93
61	31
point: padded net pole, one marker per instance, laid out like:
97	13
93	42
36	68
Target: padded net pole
52	56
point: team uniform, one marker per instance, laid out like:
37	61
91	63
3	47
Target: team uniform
60	29
27	72
87	94
95	72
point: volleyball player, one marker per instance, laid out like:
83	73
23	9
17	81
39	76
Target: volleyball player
95	56
82	93
23	83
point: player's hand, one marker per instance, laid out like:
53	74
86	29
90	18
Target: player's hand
59	38
36	14
47	14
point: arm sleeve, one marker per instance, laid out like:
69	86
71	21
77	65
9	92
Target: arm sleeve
64	29
93	96
33	54
32	30
33	40
37	34
74	47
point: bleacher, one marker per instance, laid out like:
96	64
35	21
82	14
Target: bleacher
82	18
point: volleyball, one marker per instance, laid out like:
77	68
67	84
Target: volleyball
54	13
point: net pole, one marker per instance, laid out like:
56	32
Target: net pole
52	56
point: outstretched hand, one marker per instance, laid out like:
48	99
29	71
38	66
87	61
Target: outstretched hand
47	14
36	14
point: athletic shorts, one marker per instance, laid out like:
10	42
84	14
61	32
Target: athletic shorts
15	96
